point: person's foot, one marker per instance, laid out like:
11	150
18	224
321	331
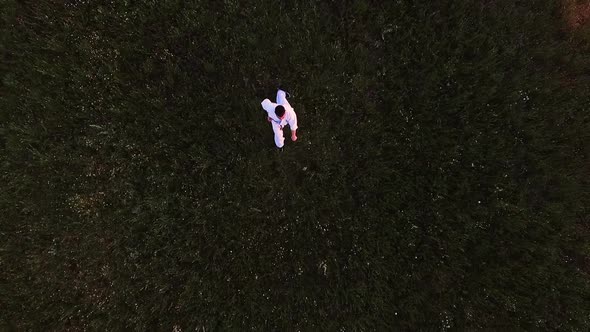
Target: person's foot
282	87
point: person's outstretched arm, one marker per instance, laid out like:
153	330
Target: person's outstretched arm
293	125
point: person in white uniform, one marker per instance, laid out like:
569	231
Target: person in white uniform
279	115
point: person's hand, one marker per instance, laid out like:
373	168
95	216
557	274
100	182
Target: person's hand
293	138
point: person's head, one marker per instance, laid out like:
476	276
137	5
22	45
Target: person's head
280	111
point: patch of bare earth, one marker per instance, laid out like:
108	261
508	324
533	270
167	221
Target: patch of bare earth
576	13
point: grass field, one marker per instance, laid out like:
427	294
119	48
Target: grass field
440	179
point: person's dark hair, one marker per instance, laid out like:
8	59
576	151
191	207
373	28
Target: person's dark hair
279	110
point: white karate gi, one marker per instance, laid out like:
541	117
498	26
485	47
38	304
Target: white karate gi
278	124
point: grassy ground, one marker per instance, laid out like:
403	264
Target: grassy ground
440	179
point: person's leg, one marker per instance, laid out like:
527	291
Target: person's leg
279	137
282	98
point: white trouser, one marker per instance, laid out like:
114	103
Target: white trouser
279	137
281	98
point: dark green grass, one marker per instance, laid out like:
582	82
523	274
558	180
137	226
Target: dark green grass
440	179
